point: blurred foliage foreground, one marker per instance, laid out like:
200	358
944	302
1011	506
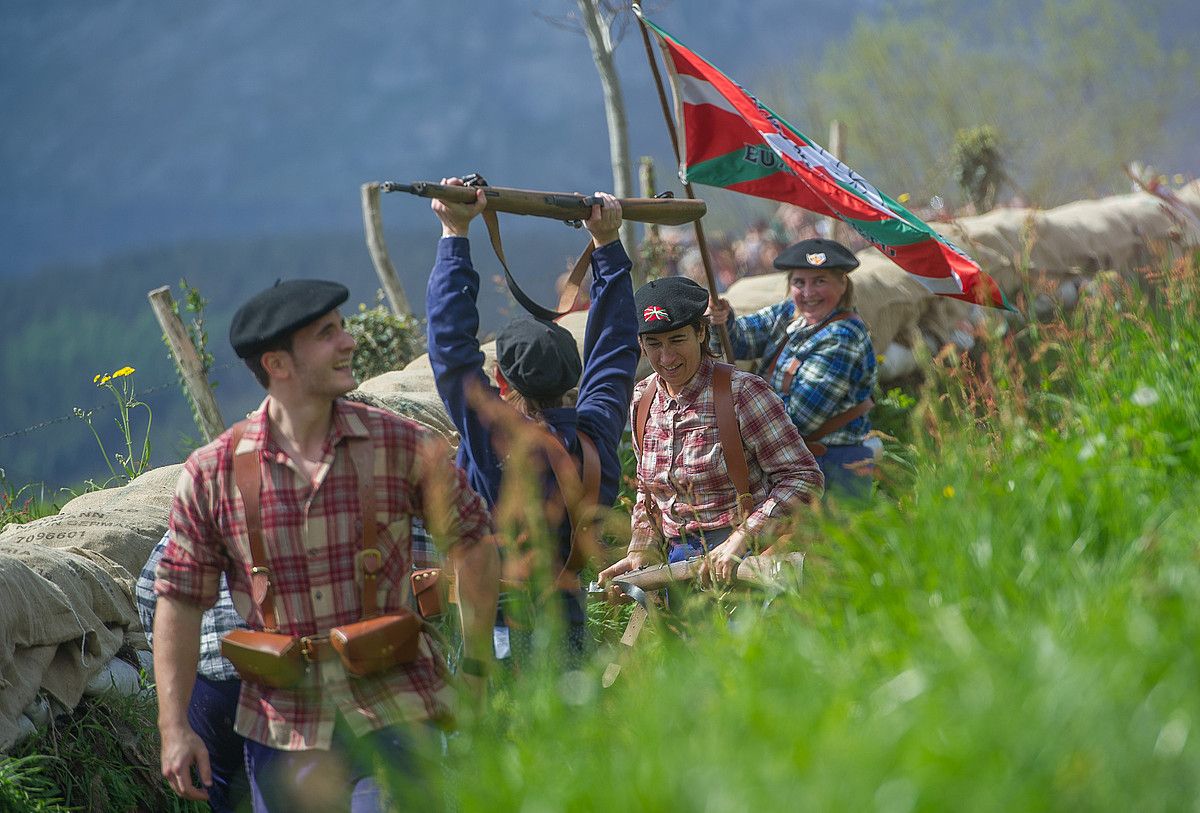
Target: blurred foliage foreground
1013	622
1018	629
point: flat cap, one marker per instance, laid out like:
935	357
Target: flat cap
537	357
280	310
817	253
668	304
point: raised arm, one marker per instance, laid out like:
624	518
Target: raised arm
452	329
749	334
610	349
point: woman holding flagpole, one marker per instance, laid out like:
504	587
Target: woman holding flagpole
815	352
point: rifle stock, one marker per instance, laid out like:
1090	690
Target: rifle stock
557	205
753	571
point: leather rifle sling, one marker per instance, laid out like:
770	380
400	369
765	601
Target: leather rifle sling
728	433
247	476
570	290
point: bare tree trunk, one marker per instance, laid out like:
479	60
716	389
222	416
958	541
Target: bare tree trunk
599	36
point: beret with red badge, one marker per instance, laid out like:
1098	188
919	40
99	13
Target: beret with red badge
281	310
668	304
815	254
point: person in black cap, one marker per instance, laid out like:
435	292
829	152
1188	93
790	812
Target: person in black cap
687	503
815	350
537	365
302	563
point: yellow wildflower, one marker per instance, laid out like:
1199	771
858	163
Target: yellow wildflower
96	378
103	380
948	492
904	196
124	371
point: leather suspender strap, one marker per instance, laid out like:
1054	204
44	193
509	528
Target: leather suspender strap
731	437
570	290
247	476
581	494
728	433
370	559
790	373
643	411
841	419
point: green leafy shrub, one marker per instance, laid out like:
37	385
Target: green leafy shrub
385	341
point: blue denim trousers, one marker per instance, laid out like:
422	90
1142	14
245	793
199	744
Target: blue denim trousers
211	713
840	479
344	778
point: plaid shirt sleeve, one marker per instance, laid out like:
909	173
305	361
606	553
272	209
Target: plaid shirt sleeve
773	440
751	334
824	378
190	568
214	624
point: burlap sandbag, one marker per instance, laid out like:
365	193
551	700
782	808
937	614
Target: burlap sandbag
63	616
122	524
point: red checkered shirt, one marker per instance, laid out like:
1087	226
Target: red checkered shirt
312	533
682	466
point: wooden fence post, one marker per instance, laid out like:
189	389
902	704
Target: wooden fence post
373	226
187	359
837	146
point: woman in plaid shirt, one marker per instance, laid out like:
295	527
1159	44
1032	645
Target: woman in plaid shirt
815	351
687	505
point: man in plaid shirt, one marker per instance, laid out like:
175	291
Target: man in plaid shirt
293	338
686	502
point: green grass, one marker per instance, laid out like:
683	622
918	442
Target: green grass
1013	624
1018	629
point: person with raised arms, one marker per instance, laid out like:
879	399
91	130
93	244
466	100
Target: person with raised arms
537	365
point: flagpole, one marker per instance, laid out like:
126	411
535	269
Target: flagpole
701	243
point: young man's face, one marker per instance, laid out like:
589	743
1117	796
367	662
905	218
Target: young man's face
675	356
319	362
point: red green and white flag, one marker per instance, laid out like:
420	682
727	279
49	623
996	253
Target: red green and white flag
734	141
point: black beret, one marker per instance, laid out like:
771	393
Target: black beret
281	310
537	357
668	304
817	254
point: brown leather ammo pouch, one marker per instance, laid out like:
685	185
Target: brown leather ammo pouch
265	658
377	644
429	591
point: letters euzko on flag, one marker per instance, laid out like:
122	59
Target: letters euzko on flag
734	141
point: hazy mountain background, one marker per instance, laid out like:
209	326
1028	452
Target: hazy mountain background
225	142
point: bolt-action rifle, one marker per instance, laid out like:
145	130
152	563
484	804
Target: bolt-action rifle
567	206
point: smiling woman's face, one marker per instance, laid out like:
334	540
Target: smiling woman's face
675	356
815	292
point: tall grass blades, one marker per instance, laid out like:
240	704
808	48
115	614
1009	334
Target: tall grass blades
1015	628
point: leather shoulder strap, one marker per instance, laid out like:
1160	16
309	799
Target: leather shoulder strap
643	411
841	419
731	436
370	559
247	476
789	374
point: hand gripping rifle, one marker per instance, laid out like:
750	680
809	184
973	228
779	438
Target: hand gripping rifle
569	207
764	572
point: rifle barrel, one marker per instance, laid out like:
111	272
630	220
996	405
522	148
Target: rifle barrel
558	205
